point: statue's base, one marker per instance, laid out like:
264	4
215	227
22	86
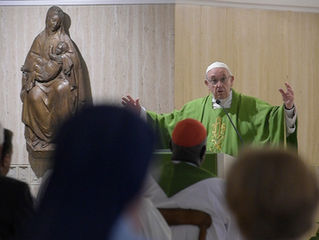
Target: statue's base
40	161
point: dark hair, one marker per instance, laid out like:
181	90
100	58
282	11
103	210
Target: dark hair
272	193
193	154
7	145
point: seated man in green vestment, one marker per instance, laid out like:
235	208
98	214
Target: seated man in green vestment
188	148
183	184
257	121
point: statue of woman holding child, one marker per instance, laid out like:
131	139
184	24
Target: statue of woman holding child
55	84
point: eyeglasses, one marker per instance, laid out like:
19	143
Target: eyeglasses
214	81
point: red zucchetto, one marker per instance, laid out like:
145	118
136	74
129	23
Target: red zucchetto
189	133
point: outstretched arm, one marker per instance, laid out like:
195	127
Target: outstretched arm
287	96
290	111
129	102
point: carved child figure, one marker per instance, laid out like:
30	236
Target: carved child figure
59	61
61	57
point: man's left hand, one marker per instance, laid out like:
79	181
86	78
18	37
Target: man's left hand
288	96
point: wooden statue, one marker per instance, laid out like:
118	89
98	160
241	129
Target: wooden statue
55	84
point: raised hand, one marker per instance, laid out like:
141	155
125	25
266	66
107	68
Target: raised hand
128	101
288	96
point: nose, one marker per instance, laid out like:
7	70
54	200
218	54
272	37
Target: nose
219	83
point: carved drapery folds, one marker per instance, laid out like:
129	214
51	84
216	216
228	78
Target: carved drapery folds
55	85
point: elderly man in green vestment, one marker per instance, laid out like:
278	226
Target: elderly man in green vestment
257	121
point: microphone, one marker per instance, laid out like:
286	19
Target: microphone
240	138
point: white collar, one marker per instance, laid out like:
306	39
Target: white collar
226	103
189	163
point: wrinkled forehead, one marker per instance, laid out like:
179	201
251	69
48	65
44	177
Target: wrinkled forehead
217	72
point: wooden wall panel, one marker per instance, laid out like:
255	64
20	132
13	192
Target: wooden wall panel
127	49
263	48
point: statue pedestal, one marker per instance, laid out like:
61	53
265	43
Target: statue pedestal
40	161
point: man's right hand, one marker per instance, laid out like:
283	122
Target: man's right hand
129	102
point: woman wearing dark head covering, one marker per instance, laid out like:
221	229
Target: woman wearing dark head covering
102	155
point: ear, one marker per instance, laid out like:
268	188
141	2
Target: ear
232	81
170	145
202	152
5	166
206	82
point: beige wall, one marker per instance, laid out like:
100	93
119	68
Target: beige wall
127	49
264	49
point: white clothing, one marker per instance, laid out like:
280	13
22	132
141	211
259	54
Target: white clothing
153	225
206	195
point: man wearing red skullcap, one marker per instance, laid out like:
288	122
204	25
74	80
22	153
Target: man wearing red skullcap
183	184
188	147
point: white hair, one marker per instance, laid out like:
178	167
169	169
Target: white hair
1	135
218	65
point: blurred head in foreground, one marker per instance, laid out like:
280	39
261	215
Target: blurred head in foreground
102	155
272	193
5	151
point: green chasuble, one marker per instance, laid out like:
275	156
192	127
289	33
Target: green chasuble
257	122
178	176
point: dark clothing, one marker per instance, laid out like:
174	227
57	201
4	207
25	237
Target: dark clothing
16	206
100	161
